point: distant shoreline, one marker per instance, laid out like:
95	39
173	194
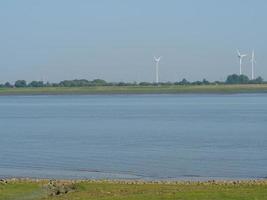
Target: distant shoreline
113	90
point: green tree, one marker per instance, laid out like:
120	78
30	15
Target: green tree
243	79
20	83
205	82
36	84
184	82
8	85
144	84
237	79
258	80
99	82
232	79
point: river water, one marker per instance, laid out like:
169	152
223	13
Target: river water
134	136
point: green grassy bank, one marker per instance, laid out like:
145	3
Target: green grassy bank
111	190
251	88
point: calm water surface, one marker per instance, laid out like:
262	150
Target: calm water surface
134	136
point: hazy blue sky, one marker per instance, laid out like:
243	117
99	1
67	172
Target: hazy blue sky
117	39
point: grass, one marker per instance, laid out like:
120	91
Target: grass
262	88
21	191
101	190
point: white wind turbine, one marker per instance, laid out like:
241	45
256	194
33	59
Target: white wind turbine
253	62
240	56
157	68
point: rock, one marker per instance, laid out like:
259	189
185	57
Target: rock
3	181
55	188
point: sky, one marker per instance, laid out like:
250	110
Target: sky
116	40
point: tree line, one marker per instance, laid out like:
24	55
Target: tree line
231	79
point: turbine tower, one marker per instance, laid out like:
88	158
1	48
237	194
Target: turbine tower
157	68
240	56
253	61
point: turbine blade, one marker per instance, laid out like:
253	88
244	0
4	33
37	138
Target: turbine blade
238	52
157	59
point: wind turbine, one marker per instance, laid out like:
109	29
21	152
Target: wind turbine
157	68
240	56
253	61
